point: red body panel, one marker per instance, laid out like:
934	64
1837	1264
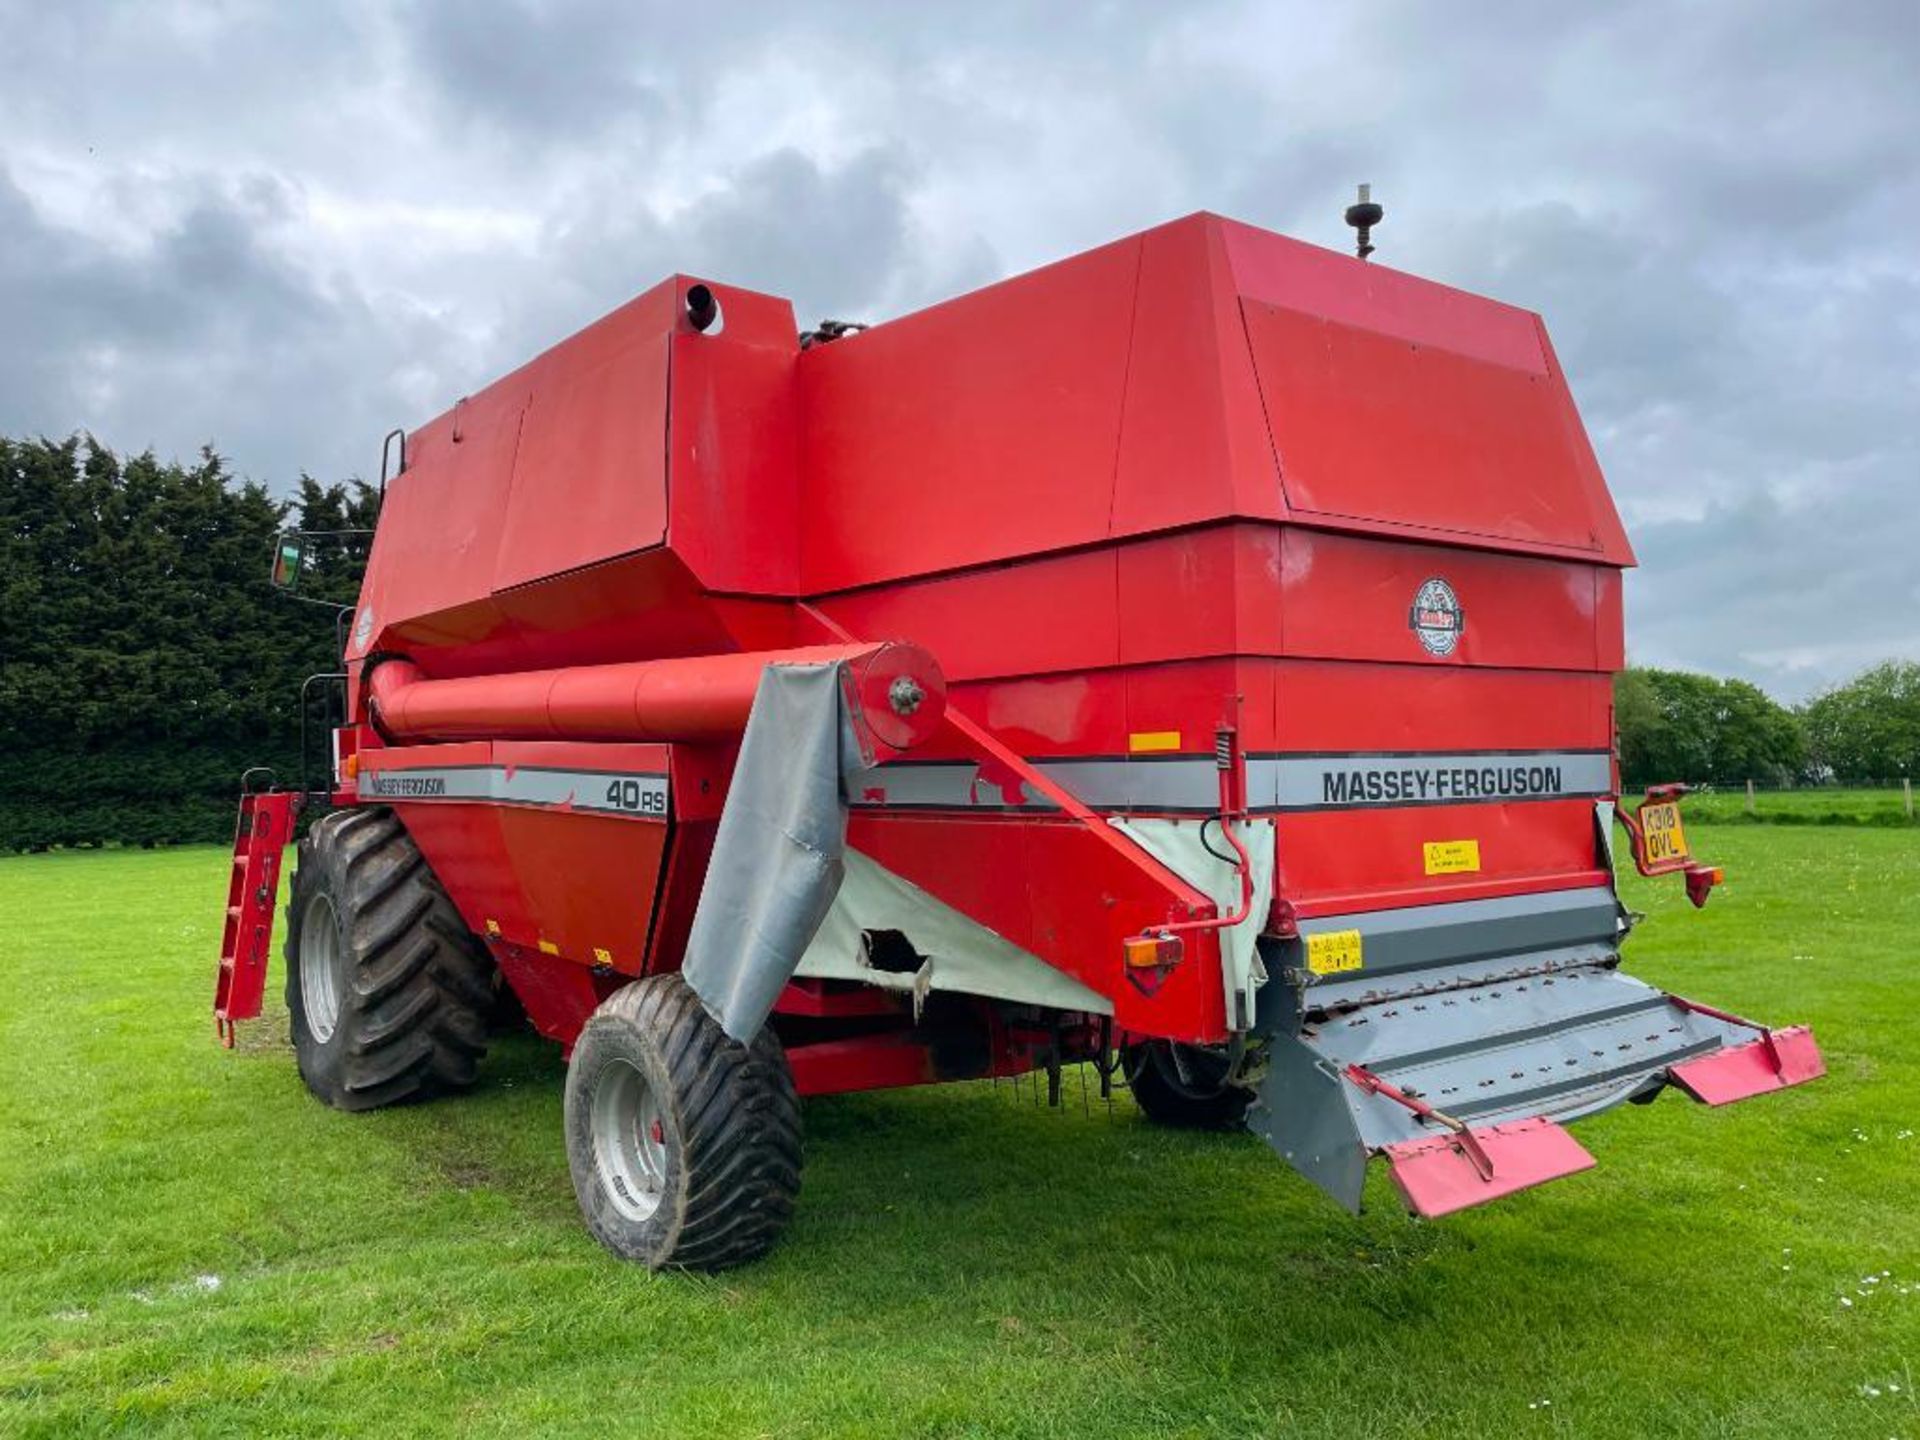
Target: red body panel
980	398
1202	471
548	878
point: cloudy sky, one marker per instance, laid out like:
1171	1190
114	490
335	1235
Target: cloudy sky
285	228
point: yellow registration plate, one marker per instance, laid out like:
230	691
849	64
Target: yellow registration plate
1661	832
1333	951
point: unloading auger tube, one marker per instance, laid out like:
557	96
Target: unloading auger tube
896	696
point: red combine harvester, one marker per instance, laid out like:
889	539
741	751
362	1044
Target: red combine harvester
1192	658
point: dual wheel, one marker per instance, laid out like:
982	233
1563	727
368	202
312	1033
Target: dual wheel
684	1144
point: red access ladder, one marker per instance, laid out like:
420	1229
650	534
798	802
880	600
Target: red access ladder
264	828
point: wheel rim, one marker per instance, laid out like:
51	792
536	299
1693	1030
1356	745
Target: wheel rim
320	967
629	1140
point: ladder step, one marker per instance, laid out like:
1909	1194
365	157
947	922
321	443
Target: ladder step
249	924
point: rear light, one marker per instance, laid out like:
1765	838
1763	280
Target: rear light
1700	882
1150	958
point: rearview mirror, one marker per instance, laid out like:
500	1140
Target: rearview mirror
289	558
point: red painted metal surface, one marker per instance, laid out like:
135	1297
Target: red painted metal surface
531	524
1779	1058
261	834
1201	466
1471	1165
558	998
562	881
864	1062
1358	415
701	698
1442	1175
980	1045
826	999
1004	408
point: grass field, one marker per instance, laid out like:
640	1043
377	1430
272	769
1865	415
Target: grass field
189	1245
1813	805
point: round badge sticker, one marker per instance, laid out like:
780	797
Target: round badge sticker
1436	618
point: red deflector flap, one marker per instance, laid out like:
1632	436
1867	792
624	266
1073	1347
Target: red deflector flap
1437	1176
1776	1060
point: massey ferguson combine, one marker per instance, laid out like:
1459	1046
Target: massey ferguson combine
1190	659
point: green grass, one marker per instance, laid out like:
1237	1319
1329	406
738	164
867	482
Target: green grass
962	1263
1814	805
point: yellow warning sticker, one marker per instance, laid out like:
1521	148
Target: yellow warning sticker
1153	740
547	947
1452	857
1331	952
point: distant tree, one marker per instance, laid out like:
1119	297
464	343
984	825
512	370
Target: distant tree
1869	728
1755	737
1640	724
1677	725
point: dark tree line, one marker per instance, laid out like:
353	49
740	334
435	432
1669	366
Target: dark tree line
144	659
1676	725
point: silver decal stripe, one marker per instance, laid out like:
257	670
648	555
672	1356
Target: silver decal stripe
1346	782
1190	783
639	793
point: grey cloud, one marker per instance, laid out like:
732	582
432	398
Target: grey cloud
286	228
538	73
1791	594
204	335
835	237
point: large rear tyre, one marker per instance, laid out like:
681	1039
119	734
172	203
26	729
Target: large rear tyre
1185	1086
388	991
684	1144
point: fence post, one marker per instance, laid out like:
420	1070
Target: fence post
1906	790
1750	809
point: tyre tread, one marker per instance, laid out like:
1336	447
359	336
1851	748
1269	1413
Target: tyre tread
421	985
738	1119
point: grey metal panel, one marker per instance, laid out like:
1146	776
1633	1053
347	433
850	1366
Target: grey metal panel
1301	1109
1489	1010
1339	993
1146	784
1344	782
1564	1047
949	786
1190	783
1573	1041
1472	939
640	793
462	782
